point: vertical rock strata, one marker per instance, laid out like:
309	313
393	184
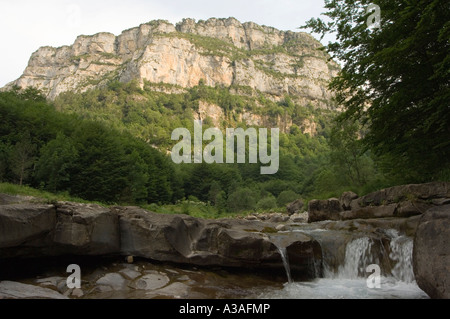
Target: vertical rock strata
217	51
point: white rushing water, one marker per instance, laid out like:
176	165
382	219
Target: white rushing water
401	253
351	280
285	259
357	259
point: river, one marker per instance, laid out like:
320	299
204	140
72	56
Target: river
349	273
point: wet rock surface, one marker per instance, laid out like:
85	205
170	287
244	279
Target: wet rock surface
147	281
17	290
432	252
30	229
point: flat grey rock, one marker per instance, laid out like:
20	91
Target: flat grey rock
113	280
130	273
151	281
17	290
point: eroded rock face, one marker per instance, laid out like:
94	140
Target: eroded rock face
400	201
22	224
346	200
431	255
370	212
30	230
320	210
397	194
183	55
228	243
35	230
295	207
87	229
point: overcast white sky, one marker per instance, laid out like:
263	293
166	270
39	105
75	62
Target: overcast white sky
27	25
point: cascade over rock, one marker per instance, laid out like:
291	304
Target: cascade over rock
30	228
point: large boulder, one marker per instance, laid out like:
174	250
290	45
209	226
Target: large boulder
346	200
157	236
305	256
227	242
401	193
431	255
36	230
320	210
295	207
399	201
41	230
370	212
412	208
86	229
24	225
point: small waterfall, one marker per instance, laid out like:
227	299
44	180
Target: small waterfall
402	254
285	258
362	252
345	273
358	255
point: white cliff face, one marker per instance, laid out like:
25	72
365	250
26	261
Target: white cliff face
217	51
177	61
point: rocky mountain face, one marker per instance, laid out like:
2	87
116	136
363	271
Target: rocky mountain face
250	58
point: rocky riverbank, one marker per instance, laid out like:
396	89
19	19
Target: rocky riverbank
32	229
113	278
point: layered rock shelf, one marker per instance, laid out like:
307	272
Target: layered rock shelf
33	230
30	228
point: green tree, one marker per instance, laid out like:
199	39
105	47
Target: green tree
267	203
287	197
348	158
213	193
56	162
137	179
242	199
4	151
101	172
30	93
22	158
221	202
395	79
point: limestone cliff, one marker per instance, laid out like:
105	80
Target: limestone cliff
218	51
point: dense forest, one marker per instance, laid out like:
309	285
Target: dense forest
110	145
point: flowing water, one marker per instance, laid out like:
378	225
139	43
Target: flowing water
286	265
401	252
354	280
343	269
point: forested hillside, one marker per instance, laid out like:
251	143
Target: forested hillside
112	145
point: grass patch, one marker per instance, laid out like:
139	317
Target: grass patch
195	209
191	208
47	197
